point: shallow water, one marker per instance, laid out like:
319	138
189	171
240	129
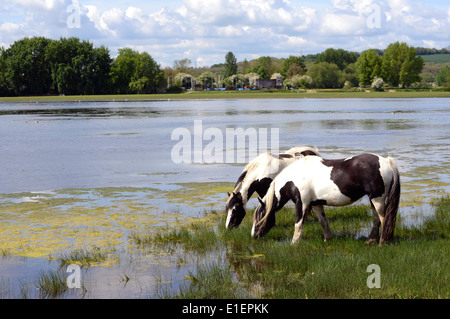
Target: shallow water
83	174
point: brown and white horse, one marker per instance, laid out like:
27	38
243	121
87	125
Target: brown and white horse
313	182
256	177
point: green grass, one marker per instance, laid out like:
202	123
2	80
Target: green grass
331	94
416	265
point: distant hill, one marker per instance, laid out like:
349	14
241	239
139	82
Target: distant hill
436	58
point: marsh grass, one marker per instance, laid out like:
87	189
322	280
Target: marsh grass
414	266
198	235
51	283
214	280
83	257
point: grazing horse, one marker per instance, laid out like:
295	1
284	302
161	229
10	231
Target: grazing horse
314	181
256	177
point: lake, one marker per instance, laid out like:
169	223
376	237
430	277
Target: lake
83	174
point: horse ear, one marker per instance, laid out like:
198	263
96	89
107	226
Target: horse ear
261	202
228	194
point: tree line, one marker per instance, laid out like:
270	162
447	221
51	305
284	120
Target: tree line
70	66
41	66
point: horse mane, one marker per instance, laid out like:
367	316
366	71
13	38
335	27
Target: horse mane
268	200
248	168
301	151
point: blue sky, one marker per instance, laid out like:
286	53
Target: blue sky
205	30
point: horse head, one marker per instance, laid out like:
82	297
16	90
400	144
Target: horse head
235	210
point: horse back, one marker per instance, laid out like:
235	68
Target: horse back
357	176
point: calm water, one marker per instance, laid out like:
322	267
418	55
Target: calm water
107	158
46	146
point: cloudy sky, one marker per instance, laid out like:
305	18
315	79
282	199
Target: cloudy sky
205	30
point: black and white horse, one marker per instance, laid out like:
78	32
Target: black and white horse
256	177
313	182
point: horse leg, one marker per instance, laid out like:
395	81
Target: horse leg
299	221
323	220
378	207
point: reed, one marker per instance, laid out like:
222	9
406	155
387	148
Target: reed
51	284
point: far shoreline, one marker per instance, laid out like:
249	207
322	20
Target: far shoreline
204	95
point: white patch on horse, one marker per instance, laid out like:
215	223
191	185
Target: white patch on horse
230	211
253	230
385	172
325	187
298	230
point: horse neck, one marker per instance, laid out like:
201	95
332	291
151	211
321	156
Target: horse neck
242	188
246	179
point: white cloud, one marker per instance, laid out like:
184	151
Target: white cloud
134	13
113	17
38	4
207	29
10	28
94	16
342	24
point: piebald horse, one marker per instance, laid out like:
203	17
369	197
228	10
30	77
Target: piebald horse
314	181
256	177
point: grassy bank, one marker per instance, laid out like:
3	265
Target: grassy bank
416	265
322	94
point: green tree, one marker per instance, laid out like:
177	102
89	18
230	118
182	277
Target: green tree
293	65
264	67
182	66
261	71
77	67
26	68
231	66
206	80
148	76
134	72
441	79
339	57
184	80
122	70
324	75
4	87
368	66
300	82
400	65
245	66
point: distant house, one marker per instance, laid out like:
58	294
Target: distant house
269	84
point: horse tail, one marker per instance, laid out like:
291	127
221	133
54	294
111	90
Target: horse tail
393	201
